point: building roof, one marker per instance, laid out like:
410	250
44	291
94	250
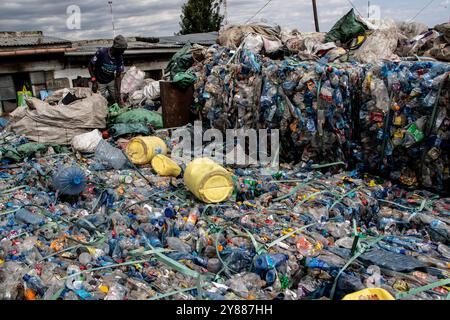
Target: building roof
36	40
89	47
208	38
142	45
30	39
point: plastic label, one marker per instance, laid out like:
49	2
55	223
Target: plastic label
416	133
398	121
270	262
398	134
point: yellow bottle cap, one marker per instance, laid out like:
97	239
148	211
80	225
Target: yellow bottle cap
103	288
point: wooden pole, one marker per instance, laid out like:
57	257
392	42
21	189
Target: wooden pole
316	18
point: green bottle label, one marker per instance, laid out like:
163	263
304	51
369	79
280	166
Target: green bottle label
416	133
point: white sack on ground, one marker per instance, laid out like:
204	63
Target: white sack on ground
45	123
87	142
152	91
132	80
381	44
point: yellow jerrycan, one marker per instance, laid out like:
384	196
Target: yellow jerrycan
370	294
164	166
141	150
208	181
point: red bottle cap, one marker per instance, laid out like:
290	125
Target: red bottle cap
105	134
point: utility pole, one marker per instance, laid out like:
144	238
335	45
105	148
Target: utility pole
112	18
225	7
368	9
316	18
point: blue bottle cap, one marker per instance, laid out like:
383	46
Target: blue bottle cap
76	180
169	212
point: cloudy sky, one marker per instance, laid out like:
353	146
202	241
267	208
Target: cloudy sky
159	18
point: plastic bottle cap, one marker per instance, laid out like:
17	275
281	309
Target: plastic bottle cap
76	180
169	212
30	294
104	289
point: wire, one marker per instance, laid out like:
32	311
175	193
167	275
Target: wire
261	9
421	10
354	7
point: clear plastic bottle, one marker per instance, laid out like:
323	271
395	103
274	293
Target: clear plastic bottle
178	245
430	99
73	282
441	228
8	290
26	216
51	291
116	292
11	273
35	284
444	250
338	230
415	132
114	157
155	215
192	219
122	179
244	284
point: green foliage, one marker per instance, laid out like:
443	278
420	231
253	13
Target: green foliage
199	16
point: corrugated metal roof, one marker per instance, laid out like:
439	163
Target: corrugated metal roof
208	38
134	47
19	41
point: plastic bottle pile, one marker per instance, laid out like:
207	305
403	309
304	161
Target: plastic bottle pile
289	236
386	117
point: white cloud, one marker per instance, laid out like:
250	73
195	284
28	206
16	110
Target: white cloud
161	17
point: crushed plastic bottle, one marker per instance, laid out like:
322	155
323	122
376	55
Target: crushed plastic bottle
69	181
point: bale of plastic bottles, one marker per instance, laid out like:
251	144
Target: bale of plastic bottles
387	116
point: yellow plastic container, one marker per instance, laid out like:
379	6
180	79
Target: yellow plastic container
141	150
370	294
165	166
208	181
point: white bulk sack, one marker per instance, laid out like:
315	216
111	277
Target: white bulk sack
253	42
152	91
87	142
132	80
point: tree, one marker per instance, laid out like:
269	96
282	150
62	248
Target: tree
200	16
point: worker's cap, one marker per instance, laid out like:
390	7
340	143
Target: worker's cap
120	42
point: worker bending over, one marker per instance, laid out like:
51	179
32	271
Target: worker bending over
106	68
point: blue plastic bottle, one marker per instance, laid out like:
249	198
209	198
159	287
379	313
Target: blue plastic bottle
316	263
35	284
271	276
69	181
155	242
440	227
269	261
